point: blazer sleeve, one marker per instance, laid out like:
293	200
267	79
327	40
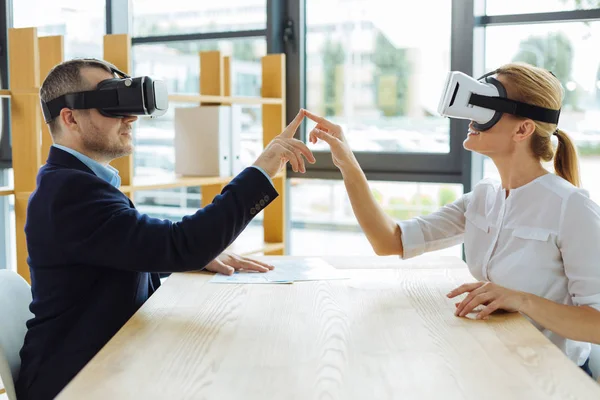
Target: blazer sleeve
98	226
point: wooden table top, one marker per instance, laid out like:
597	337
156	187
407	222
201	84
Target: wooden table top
388	332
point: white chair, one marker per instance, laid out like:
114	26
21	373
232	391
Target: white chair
15	297
595	361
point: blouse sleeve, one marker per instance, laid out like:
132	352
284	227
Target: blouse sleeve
579	243
439	230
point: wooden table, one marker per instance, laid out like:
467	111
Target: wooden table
389	332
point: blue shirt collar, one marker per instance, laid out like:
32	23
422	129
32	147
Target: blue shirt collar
107	173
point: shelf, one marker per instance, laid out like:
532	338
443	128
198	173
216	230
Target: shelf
6	191
179	181
5	93
196	98
174	182
270	247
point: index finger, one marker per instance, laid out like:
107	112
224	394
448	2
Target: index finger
291	129
317	118
264	264
467	287
303	149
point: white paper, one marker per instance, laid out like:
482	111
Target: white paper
244	277
286	271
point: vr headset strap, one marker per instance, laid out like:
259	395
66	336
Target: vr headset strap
81	101
515	108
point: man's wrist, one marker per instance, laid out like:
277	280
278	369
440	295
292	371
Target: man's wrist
264	173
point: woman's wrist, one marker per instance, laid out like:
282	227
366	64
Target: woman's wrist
528	303
351	169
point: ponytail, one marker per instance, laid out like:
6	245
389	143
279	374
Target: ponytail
540	87
565	159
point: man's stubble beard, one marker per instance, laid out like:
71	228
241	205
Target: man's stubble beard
97	143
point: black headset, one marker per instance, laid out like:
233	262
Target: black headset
116	97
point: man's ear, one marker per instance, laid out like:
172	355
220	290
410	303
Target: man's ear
525	129
68	119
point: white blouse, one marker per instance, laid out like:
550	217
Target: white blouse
544	238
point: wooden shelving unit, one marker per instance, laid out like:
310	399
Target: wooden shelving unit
177	182
31	58
194	98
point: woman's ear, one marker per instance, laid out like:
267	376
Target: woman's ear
525	129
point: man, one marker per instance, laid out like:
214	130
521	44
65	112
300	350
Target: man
94	260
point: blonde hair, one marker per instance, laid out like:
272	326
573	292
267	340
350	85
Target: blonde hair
539	87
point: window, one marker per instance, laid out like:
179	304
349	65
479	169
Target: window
158	17
570	50
503	7
154	141
179	63
154	157
82	23
379	71
375	69
8	244
12	227
323	222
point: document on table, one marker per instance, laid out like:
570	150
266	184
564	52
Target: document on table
286	271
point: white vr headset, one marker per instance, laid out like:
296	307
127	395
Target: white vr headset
484	101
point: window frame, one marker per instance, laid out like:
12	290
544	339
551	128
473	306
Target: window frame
6	22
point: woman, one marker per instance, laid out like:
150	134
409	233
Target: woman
532	240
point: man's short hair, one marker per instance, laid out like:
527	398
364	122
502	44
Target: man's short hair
66	78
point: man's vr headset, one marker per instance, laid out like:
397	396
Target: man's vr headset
484	101
116	98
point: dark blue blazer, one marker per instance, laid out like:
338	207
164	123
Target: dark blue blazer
94	260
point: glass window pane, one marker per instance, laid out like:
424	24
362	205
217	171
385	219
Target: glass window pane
504	7
179	63
569	50
8	249
323	222
158	17
379	72
12	234
82	23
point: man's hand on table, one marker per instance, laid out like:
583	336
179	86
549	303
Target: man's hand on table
227	263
